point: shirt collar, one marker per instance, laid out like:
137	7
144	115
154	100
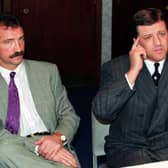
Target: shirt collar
19	69
150	65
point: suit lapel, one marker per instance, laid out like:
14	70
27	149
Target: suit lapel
163	85
3	98
36	91
163	82
34	84
161	108
145	84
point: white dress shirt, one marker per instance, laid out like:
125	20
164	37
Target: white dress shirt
151	68
30	121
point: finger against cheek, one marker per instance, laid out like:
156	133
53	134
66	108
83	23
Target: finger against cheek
143	56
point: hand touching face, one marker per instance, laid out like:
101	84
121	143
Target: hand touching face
154	39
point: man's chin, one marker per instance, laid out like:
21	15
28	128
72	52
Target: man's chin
160	57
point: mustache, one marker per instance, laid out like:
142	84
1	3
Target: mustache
16	54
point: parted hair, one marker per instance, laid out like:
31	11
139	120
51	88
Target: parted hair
148	16
10	20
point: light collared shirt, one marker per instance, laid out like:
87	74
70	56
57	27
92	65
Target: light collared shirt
151	68
30	121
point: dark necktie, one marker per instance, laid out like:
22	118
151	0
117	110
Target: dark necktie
156	75
13	114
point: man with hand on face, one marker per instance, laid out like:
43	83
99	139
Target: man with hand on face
37	121
133	96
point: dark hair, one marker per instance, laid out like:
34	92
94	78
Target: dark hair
10	20
148	16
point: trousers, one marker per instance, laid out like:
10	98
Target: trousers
130	157
18	152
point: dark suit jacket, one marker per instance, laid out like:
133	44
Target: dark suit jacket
50	98
139	117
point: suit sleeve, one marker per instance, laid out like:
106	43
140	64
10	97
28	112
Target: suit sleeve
68	121
113	93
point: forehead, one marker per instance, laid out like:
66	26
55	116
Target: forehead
151	29
10	32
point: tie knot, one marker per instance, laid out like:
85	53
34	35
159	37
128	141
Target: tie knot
156	75
156	65
12	74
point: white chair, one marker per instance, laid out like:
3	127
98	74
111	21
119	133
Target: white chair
99	131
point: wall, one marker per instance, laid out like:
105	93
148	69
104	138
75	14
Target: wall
106	30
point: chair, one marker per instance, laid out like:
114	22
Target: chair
99	131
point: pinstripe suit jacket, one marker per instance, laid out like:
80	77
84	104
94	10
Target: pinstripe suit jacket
49	96
139	117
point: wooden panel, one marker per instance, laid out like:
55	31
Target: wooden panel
65	32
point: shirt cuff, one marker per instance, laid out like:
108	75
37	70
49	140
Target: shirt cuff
130	85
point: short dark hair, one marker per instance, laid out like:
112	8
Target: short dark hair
10	20
148	16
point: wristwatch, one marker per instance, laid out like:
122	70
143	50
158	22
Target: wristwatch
63	138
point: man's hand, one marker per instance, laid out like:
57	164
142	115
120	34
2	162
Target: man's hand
65	157
51	148
137	55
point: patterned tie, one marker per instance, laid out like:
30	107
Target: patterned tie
156	75
13	114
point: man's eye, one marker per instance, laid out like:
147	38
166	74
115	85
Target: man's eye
162	33
7	41
147	37
22	39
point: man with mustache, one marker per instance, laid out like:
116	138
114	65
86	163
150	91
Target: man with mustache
39	133
133	95
21	53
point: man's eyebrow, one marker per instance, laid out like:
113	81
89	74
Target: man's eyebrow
144	35
147	34
7	39
21	36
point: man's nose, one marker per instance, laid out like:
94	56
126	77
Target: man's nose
17	46
157	40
